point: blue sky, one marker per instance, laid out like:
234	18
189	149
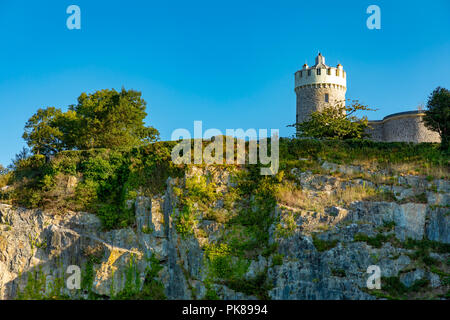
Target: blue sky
228	63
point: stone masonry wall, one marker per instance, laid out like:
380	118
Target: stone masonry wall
311	99
403	128
375	131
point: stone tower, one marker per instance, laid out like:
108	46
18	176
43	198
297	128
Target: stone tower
319	86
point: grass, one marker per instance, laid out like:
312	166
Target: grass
258	286
376	242
287	226
338	273
323	245
107	178
294	197
393	289
395	157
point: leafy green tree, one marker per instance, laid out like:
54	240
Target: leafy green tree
42	133
3	170
437	115
111	119
21	156
103	119
335	122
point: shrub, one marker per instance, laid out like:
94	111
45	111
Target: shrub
323	245
376	241
186	222
222	264
286	227
335	122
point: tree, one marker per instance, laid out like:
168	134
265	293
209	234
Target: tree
42	133
22	155
111	119
335	122
3	170
103	119
437	115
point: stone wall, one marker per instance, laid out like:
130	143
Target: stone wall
311	98
375	130
402	127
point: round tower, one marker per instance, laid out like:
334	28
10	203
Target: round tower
319	86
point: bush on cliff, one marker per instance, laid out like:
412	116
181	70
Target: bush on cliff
335	122
102	180
437	115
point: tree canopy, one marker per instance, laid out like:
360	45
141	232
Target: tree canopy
335	122
103	119
437	115
42	134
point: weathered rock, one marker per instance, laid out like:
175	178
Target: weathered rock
410	221
318	259
409	278
438	225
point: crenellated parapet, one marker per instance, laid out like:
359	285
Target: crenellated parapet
319	86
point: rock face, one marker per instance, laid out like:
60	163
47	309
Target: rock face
311	262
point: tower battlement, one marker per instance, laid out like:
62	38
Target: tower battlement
321	74
319	86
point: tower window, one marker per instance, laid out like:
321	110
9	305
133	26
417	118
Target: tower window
337	72
326	97
318	71
309	72
329	72
300	74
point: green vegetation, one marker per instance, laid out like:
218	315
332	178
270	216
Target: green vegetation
258	286
336	122
5	176
222	265
103	180
197	195
286	227
150	289
323	245
99	155
395	157
422	251
376	241
277	259
293	196
387	226
392	288
338	272
437	115
186	222
103	119
41	287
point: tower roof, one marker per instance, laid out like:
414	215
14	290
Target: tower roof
320	62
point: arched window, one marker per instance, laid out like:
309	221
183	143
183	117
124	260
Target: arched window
301	74
329	71
326	97
318	71
309	72
337	72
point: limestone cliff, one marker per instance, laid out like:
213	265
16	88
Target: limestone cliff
311	253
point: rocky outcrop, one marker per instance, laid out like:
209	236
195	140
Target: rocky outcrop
324	257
